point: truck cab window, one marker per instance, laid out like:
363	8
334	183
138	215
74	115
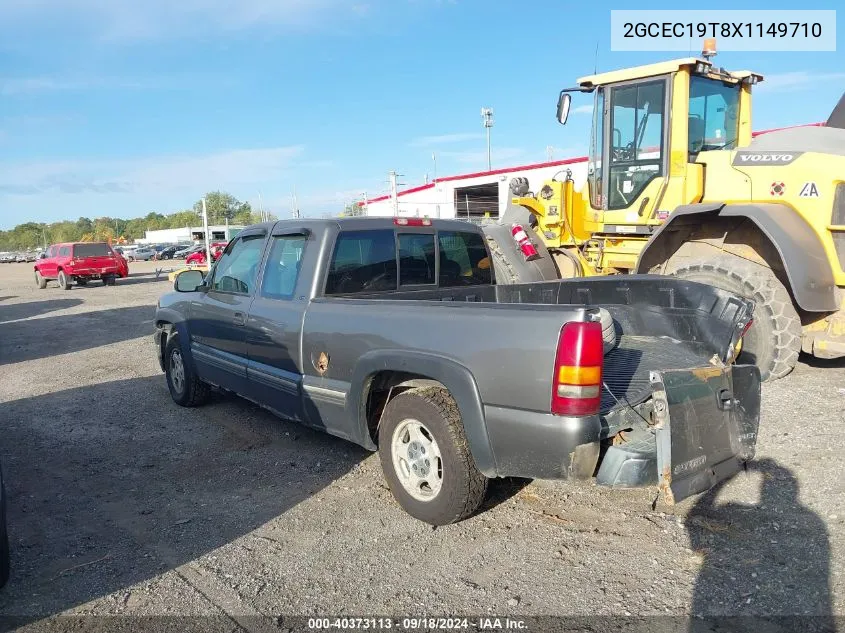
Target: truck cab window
363	261
636	143
282	270
237	268
416	259
463	259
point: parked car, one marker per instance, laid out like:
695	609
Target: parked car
143	254
197	258
30	256
182	253
167	252
80	262
391	333
7	258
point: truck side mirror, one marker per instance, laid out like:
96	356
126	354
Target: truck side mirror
188	281
563	104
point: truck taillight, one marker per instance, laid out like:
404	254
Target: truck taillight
576	384
411	221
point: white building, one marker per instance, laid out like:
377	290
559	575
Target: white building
473	196
191	234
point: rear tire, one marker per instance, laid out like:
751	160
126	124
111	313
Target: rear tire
774	339
426	459
39	280
64	280
186	388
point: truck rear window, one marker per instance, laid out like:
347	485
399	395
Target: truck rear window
363	261
463	259
91	250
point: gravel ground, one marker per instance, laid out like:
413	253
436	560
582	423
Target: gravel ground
122	503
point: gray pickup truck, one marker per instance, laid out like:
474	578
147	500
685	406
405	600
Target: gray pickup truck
392	333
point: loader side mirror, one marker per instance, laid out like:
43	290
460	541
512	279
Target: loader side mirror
563	103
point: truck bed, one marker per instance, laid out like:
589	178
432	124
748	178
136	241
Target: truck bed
661	322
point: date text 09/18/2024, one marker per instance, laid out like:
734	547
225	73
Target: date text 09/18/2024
489	623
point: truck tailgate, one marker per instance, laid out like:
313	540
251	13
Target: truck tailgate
706	425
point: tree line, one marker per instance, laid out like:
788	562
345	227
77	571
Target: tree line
220	206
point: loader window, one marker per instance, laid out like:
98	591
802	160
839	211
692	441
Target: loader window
636	144
713	110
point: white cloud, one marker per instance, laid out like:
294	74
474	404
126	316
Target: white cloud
234	169
583	109
499	155
562	153
12	86
779	82
131	19
444	139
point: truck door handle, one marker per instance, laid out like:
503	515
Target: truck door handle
238	318
725	400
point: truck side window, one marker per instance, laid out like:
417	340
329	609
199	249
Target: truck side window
64	251
416	259
237	267
363	261
463	259
282	270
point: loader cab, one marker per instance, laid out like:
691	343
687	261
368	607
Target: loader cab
650	124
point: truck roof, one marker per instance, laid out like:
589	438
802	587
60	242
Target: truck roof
364	223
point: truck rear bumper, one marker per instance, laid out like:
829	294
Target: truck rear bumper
541	445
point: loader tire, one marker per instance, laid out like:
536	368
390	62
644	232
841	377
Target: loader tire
608	330
505	270
774	339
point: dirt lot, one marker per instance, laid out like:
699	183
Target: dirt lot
120	502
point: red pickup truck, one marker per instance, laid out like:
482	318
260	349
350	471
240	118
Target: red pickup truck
80	262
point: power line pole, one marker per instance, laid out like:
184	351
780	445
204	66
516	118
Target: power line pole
295	210
550	152
394	192
487	117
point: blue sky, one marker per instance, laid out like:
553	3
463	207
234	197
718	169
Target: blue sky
122	107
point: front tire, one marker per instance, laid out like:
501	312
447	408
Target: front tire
774	339
64	280
186	388
39	280
426	459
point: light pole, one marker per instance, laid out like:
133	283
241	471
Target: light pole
365	208
205	230
434	159
487	118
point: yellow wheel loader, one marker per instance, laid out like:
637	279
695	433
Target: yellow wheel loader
676	185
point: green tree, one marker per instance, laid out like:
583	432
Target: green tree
84	225
222	206
352	209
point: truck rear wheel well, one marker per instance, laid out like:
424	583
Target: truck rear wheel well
382	387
